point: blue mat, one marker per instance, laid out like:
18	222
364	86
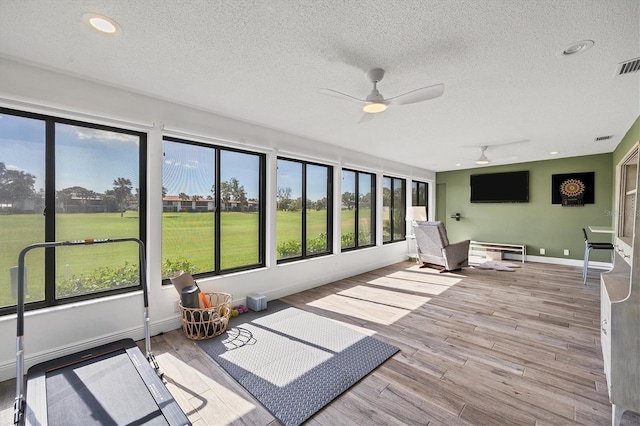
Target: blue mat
292	361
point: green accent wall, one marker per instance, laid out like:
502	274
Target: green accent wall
632	136
538	223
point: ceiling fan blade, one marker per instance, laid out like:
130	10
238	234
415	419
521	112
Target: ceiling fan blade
340	95
418	95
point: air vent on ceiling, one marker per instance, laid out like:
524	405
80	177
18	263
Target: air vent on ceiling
627	67
602	138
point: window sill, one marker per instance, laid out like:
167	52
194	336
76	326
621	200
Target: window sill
75	305
306	260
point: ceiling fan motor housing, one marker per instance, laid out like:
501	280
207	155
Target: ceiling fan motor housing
375	96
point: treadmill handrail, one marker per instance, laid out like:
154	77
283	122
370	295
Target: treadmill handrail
19	402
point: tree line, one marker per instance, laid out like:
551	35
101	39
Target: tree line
17	186
285	202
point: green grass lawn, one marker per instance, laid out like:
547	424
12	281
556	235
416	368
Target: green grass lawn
189	236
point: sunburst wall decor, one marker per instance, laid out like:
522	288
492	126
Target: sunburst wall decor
573	189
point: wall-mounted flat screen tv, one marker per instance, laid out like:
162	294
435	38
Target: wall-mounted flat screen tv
508	187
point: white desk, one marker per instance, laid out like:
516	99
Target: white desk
601	229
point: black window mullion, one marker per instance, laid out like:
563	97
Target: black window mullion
261	210
403	205
303	205
357	195
142	190
217	216
329	209
391	203
372	206
426	198
50	213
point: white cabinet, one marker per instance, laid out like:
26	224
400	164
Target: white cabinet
620	299
605	333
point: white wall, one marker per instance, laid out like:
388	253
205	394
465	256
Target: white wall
58	331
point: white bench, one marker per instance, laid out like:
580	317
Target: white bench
501	247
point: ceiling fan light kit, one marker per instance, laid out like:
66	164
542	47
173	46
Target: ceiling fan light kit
374	108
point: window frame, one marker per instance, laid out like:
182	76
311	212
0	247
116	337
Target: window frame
357	245
392	207
626	179
415	197
329	222
218	211
49	211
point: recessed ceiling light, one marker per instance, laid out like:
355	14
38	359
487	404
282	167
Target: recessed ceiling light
554	153
458	164
577	47
102	23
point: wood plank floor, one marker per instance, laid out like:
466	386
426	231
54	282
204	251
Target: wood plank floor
476	348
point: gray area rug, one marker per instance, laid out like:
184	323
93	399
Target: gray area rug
294	362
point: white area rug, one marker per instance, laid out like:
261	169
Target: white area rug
497	266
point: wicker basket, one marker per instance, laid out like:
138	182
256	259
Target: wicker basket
199	324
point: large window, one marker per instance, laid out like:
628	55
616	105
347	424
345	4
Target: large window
303	219
66	180
357	210
393	209
212	219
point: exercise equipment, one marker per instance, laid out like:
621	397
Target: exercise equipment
113	384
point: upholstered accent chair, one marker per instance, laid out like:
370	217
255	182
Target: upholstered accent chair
434	248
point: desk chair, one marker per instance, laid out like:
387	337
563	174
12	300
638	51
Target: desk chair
588	246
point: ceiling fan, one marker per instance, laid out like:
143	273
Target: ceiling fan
483	160
375	102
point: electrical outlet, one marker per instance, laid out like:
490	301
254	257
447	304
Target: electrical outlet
566	252
543	251
176	306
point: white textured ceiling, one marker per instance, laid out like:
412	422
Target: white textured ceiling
263	62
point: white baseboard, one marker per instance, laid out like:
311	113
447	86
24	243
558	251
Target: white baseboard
8	369
561	261
329	278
